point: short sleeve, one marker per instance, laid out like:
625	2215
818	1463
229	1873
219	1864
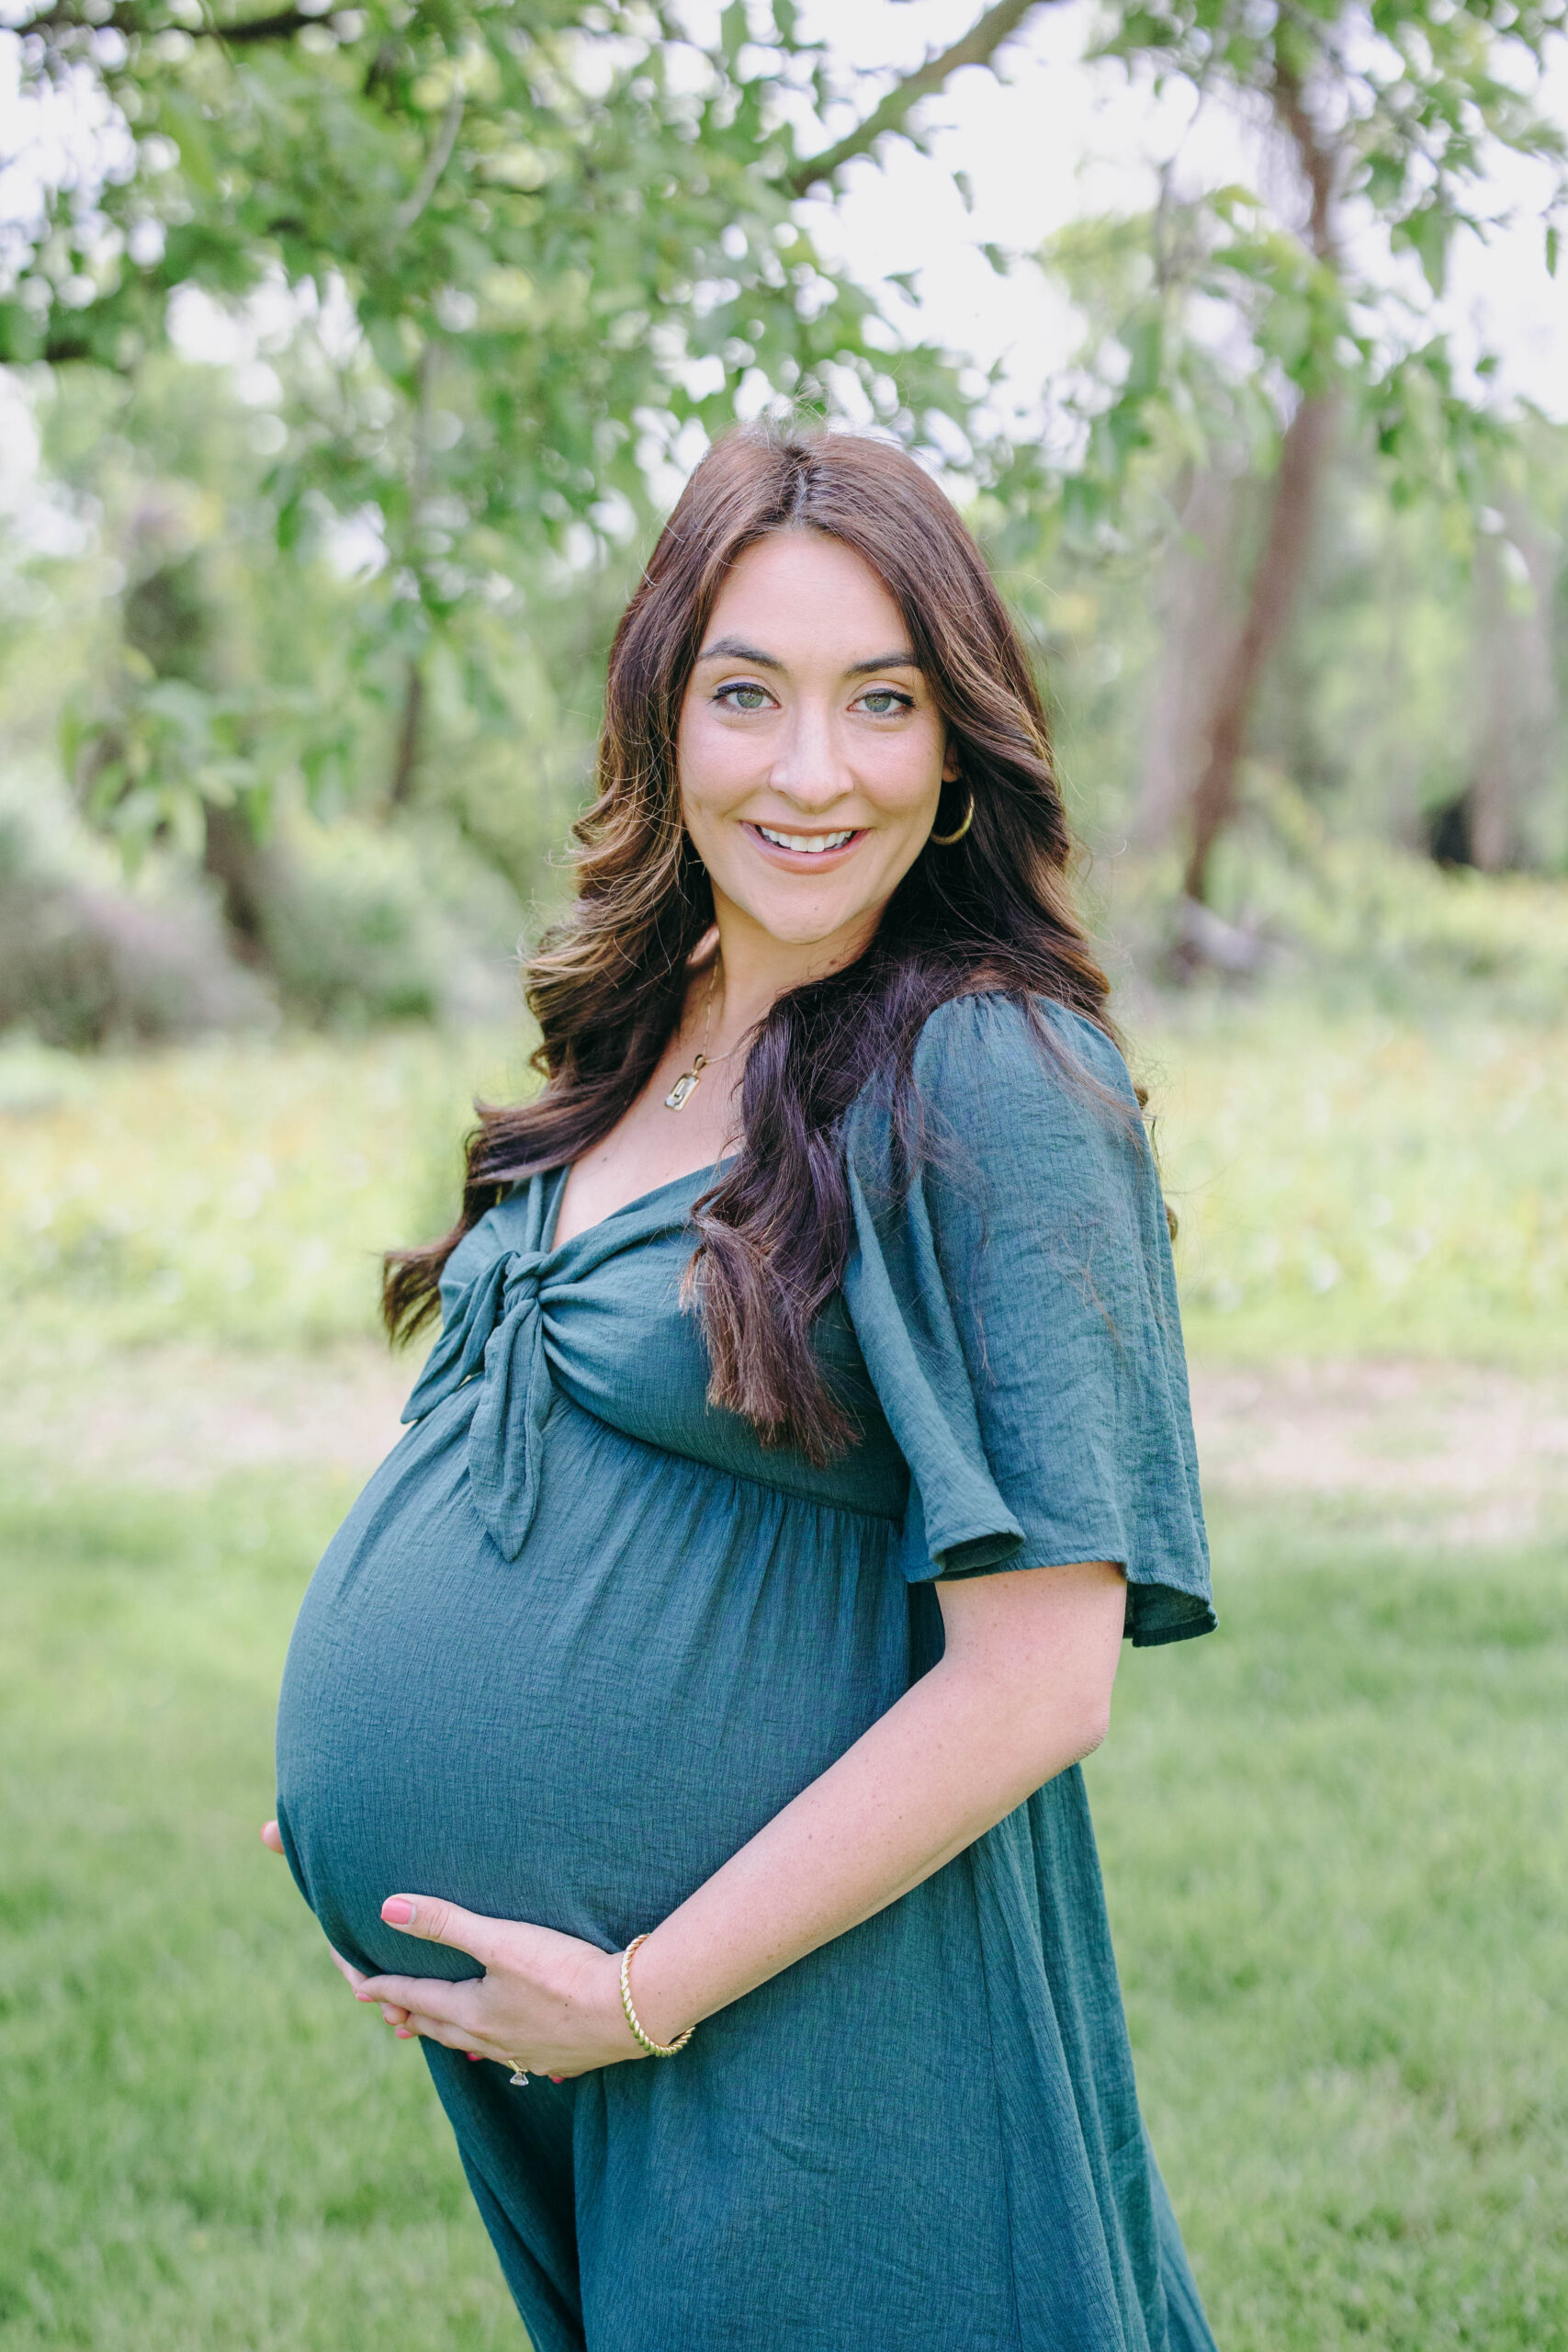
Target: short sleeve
1014	1299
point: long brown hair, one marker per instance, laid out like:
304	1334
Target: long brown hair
608	985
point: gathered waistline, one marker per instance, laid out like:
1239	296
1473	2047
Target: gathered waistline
564	1396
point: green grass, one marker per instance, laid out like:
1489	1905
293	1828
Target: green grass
235	1191
1333	1848
1332	1835
206	2145
1345	1185
1362	1185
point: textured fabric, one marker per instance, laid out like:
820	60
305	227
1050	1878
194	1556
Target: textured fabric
581	1636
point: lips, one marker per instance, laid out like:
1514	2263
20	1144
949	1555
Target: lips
807	845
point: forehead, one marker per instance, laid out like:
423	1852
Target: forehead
804	596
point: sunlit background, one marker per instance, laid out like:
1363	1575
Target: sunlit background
348	359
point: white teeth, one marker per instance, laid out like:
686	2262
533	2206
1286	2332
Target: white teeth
813	843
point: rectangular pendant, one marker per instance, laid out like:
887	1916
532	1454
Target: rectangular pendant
685	1086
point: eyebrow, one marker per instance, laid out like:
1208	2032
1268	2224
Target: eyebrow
732	648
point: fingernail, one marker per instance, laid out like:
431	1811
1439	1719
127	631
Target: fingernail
403	2033
473	2057
399	1912
558	2078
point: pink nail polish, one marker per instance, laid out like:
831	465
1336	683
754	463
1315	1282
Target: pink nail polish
399	1912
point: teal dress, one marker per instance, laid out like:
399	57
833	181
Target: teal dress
581	1636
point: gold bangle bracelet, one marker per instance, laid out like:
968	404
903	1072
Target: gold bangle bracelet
654	2048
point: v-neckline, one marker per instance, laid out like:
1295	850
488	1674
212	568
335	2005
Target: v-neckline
559	1176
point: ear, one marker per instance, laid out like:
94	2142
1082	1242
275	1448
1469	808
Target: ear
949	762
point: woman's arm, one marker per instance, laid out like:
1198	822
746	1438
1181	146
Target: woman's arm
1022	1691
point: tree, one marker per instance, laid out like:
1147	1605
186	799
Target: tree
1384	125
519	251
1515	577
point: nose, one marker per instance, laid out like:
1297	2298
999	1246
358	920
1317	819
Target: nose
809	767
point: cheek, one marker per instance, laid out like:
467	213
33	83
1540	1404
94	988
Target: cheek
907	773
715	764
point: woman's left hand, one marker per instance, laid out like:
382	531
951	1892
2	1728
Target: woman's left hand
548	2003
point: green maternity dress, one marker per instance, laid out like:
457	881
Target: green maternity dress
581	1636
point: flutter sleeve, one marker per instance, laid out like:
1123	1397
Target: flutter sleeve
1011	1289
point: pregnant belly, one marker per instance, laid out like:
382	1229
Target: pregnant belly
579	1738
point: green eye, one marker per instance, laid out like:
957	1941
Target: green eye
882	702
744	698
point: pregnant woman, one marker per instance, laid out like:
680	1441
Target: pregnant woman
681	1736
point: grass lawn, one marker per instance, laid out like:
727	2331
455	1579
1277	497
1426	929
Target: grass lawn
1332	1835
202	2148
1333	1846
1344	1186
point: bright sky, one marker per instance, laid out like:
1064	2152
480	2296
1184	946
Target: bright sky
1050	138
1053	137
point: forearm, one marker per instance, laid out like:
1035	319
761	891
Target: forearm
963	1746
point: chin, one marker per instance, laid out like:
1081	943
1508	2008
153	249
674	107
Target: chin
794	931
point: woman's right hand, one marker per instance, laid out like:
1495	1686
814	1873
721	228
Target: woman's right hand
272	1837
535	1986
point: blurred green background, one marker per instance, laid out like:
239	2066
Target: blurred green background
348	361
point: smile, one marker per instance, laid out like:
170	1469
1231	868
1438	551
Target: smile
807	845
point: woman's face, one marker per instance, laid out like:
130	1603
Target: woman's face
811	755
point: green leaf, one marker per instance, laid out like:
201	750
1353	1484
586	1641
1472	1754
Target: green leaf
1427	232
735	30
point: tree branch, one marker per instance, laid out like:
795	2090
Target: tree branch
1320	165
1296	496
978	46
1304	455
280	26
440	155
67	18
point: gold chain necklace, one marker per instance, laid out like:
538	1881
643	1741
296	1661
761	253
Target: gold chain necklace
686	1085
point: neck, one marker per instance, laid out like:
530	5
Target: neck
756	969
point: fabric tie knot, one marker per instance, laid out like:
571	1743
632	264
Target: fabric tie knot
496	1330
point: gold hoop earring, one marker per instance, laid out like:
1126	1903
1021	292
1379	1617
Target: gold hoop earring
945	841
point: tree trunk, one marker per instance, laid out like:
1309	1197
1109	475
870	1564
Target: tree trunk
1196	600
245	871
1292	513
411	736
1518	692
410	726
